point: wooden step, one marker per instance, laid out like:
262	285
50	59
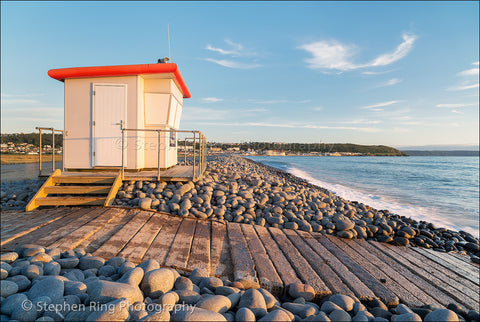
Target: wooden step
66	190
70	201
83	179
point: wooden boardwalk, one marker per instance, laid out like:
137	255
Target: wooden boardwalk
270	257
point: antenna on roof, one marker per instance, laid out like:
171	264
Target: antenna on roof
168	31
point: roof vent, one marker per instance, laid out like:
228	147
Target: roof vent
163	60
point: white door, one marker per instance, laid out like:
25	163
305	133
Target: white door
109	111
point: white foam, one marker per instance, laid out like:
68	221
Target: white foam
429	214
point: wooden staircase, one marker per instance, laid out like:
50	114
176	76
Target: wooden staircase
77	189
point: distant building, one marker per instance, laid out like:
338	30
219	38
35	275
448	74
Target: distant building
274	153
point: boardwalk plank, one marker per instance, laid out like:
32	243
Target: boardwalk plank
200	252
139	244
427	287
331	279
43	230
283	267
373	266
460	283
243	265
92	243
451	264
465	258
267	274
76	237
81	218
177	257
300	264
361	290
160	246
48	219
117	242
25	218
385	295
220	259
433	276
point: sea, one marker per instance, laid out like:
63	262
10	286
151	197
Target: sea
441	190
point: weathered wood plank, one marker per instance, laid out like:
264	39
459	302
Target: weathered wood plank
460	283
81	234
32	204
81	218
427	273
465	258
331	279
220	259
39	231
384	294
94	242
373	267
139	244
70	201
244	267
113	190
160	246
117	242
200	252
350	279
21	217
267	274
30	222
300	264
424	285
281	263
177	257
66	190
454	265
84	179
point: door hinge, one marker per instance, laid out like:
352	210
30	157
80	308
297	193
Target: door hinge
93	123
93	153
93	92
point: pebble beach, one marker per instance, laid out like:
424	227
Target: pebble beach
41	284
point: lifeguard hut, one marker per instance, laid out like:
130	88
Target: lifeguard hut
122	122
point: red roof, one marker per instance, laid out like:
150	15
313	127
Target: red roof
121	70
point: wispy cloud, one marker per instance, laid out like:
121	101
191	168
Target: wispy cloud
463	87
266	101
233	64
17	101
390	82
457	112
333	55
374	107
191	113
468	83
318	108
376	73
211	99
236	50
455	105
361	121
257	110
294	126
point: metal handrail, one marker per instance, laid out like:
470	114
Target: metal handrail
53	148
201	153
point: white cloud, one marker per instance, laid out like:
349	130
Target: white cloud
457	112
382	104
19	101
469	72
475	63
454	105
376	73
263	101
328	55
390	82
233	64
211	99
191	113
361	121
257	110
318	108
295	126
463	87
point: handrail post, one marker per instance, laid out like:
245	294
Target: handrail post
63	151
53	149
158	153
194	148
123	152
185	151
40	154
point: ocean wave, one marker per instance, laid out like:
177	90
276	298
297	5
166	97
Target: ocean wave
429	214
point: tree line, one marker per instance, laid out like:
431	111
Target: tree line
32	138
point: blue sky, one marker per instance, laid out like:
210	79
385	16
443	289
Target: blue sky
394	73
